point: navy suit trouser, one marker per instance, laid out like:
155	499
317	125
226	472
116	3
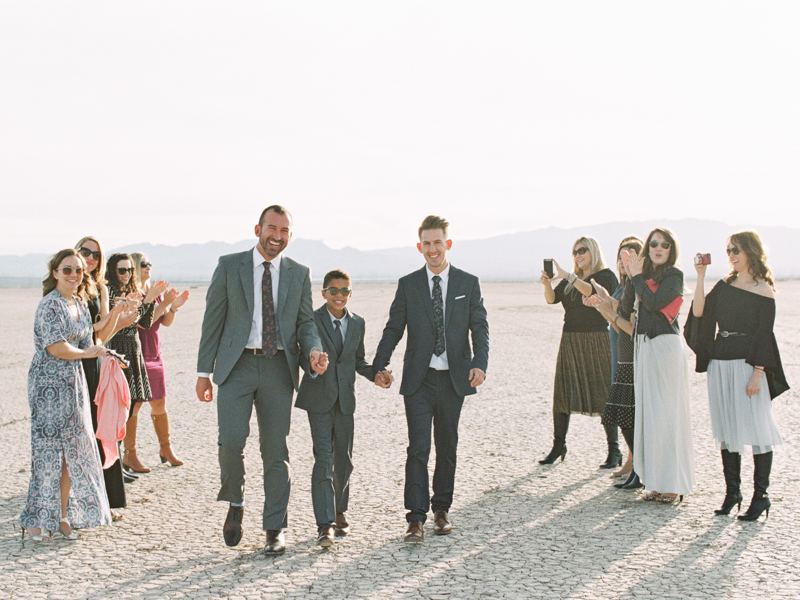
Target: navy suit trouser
435	404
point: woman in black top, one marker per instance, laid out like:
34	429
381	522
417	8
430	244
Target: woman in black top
731	332
583	367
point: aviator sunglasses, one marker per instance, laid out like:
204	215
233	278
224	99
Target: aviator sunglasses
733	250
122	271
69	270
664	245
336	291
86	253
582	250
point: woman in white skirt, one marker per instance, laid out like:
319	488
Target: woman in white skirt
730	330
663	454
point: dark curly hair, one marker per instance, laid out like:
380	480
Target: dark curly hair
113	276
651	271
749	242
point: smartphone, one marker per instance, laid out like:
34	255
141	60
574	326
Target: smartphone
703	259
548	267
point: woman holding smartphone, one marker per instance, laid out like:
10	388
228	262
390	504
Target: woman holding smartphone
620	407
731	331
123	286
150	338
663	454
583	367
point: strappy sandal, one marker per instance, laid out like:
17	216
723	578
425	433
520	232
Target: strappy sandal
676	499
116	516
42	536
652	497
72	536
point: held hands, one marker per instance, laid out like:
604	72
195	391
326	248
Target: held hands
384	379
476	377
204	389
319	361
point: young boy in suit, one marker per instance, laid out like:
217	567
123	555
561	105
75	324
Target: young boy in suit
330	402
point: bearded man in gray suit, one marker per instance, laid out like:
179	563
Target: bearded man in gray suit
440	306
257	323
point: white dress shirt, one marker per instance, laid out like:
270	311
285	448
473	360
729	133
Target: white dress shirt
257	327
440	362
343	321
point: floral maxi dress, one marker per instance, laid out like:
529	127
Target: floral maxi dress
61	424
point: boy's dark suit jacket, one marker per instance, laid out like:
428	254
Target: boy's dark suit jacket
318	394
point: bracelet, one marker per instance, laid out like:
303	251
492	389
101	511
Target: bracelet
758	369
173	310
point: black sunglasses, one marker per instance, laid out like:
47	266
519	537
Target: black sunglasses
145	265
664	245
86	253
336	291
582	250
69	270
733	250
122	271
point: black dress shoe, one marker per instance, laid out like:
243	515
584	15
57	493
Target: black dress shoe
276	543
325	537
232	529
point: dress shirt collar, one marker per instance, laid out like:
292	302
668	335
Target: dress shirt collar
258	260
444	274
342	319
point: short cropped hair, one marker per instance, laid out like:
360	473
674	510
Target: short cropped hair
433	222
335	274
276	208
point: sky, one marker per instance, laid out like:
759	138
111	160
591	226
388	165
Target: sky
178	122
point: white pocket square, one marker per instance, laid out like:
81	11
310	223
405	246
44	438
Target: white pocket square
460	297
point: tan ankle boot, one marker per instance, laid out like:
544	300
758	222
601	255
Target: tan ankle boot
161	425
129	458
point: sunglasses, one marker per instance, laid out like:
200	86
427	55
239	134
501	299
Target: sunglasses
69	270
733	250
145	265
664	245
122	271
582	250
86	253
336	291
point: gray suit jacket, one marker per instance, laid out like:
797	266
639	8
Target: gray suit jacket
318	394
229	315
412	309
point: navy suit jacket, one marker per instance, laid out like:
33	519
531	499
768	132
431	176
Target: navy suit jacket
412	310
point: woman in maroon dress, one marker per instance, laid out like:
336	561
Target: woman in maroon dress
150	337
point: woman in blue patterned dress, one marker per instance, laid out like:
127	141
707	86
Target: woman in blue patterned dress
66	487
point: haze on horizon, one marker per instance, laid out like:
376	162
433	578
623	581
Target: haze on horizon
178	122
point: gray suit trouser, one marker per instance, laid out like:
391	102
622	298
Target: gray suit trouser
332	436
266	384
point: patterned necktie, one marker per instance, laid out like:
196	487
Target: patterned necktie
269	332
337	337
438	316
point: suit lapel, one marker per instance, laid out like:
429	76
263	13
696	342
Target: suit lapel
248	285
353	333
425	292
285	282
453	286
327	330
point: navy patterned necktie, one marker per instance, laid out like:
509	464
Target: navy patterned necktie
269	332
337	337
438	315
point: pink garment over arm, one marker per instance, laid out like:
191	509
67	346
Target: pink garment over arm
113	401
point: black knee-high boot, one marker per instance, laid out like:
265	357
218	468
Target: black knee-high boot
614	458
560	428
760	501
731	467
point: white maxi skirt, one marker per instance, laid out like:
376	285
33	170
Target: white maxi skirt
740	423
663	453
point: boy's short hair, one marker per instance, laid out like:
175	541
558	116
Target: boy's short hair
335	274
433	222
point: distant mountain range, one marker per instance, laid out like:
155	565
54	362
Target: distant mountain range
511	257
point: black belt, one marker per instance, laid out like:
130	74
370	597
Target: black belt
725	334
258	351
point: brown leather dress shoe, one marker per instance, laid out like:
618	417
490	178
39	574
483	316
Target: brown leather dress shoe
441	523
276	543
342	526
232	529
414	533
325	537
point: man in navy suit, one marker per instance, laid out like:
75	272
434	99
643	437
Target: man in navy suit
257	324
330	400
440	306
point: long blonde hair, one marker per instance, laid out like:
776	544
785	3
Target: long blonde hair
99	273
